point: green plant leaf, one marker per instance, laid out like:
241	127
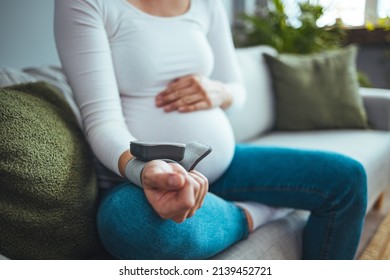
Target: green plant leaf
272	27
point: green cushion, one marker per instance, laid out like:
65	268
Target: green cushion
48	190
317	91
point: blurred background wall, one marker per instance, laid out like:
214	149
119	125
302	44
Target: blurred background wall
26	33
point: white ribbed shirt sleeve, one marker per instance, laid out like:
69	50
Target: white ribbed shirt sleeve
85	55
226	68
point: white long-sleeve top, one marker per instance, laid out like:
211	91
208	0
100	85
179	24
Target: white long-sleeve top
117	58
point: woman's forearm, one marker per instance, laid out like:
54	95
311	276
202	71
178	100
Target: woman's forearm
236	96
227	98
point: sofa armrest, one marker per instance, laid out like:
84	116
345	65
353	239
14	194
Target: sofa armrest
377	105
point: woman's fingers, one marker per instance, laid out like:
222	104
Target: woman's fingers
164	176
193	93
170	96
201	105
186	94
183	82
179	205
204	184
184	102
173	192
200	184
177	88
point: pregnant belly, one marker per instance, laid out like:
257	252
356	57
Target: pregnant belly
148	123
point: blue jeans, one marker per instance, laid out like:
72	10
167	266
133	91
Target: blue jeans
331	186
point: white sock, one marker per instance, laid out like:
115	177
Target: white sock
261	213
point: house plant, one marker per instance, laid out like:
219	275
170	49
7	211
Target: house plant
272	26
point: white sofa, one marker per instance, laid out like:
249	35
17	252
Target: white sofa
280	239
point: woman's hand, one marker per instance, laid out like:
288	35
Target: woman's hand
192	93
173	192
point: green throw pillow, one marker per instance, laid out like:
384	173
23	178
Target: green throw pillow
317	91
48	190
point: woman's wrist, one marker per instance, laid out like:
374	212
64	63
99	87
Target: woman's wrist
123	160
227	98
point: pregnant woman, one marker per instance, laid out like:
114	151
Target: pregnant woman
165	71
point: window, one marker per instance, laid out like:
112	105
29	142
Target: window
383	8
352	13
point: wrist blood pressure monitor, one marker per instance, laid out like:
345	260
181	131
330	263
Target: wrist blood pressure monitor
187	155
147	151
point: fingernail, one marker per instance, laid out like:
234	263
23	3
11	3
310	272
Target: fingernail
173	181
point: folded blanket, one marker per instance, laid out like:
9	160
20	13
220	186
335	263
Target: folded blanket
48	190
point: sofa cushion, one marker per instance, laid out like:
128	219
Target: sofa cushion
48	183
377	105
278	240
257	115
371	148
317	91
50	74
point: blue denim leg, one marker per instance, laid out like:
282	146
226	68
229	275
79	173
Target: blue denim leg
129	228
332	186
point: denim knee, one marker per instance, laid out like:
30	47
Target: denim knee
350	184
358	186
127	224
129	228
